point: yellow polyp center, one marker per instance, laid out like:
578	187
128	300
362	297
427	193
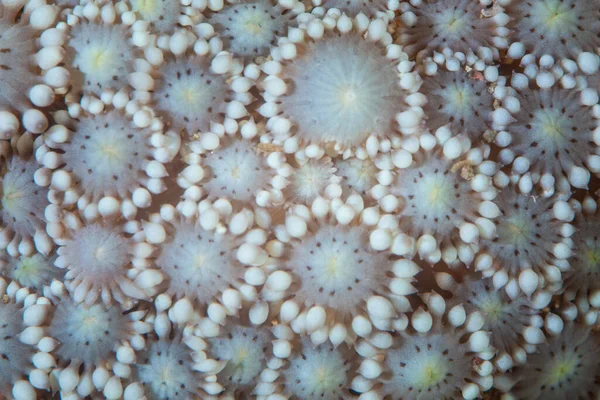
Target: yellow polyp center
12	195
431	375
322	376
434	194
437	193
253	27
562	370
517	231
189	96
593	259
555	18
513	231
365	170
165	375
333	266
492	309
199	261
27	267
254	22
241	356
99	253
235	173
10	198
455	24
89	321
99	58
325	379
460	98
552	129
348	97
110	152
145	6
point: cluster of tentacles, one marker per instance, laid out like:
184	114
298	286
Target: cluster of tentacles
283	199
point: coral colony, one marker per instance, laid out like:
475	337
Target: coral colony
299	199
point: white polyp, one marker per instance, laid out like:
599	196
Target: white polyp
41	95
528	281
554	324
588	63
426	245
422	321
533	335
469	233
380	239
296	226
181	311
22	390
380	307
315	318
361	326
279	281
35	121
259	313
579	177
289	311
562	210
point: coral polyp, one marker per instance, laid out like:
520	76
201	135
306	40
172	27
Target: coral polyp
564	367
89	334
439	201
244	351
581	279
338	87
299	199
460	96
317	372
236	171
94	149
552	133
16	347
531	239
191	95
373	8
249	29
22	201
22	56
438	356
82	337
434	183
167	370
512	322
233	170
427	364
16	357
35	271
311	179
201	261
99	53
200	264
459	25
357	175
344	100
561	29
333	275
164	15
106	156
98	259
